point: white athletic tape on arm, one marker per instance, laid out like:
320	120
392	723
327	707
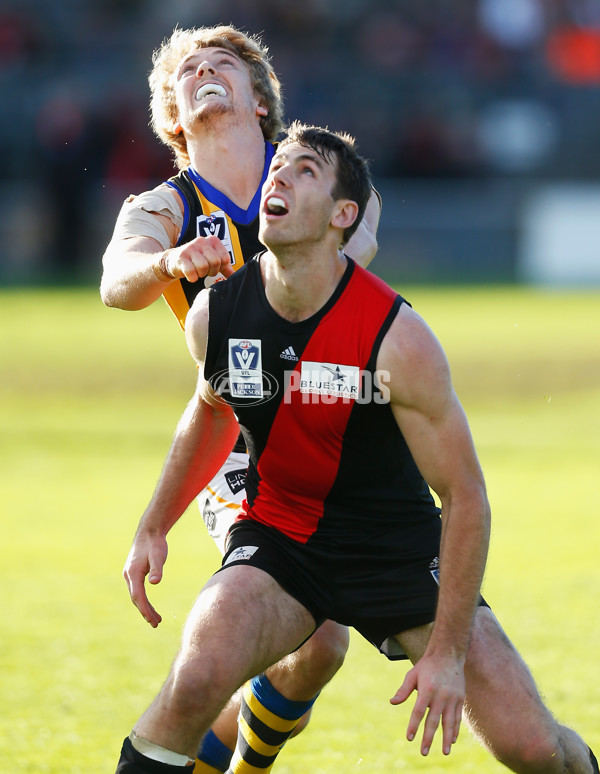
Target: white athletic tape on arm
137	217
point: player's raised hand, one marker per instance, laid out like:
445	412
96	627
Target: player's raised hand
440	685
147	556
202	257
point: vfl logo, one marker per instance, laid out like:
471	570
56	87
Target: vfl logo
222	385
215	224
245	368
241	554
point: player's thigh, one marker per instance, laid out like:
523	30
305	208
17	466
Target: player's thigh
503	704
242	622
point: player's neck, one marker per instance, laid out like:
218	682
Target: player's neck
297	288
232	161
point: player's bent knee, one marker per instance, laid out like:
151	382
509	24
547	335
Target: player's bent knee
193	685
302	675
325	651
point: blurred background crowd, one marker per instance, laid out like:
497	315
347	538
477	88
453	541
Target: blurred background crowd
481	119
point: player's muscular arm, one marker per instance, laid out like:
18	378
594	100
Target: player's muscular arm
141	259
204	437
363	243
436	430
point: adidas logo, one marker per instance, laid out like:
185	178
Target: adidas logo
289	354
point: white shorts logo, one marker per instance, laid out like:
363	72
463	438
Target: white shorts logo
245	368
241	554
343	381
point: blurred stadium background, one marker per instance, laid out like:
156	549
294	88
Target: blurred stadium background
481	118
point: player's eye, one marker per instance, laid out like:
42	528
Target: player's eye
186	69
306	170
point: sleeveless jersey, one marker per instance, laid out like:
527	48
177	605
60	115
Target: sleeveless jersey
208	212
327	459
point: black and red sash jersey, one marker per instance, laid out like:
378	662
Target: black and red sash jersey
207	212
327	457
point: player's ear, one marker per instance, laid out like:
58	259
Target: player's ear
177	128
261	110
344	214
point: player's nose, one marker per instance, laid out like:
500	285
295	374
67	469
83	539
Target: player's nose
280	176
205	68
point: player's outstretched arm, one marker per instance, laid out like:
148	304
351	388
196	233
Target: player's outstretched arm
204	437
141	259
435	427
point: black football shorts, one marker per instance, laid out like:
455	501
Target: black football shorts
381	586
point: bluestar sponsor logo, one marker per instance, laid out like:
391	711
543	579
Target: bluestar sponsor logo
341	381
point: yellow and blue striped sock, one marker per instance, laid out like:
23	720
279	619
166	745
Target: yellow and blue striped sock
266	721
213	756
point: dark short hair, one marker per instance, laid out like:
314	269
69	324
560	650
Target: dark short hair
353	178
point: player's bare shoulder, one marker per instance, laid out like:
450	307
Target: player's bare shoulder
412	355
157	213
196	326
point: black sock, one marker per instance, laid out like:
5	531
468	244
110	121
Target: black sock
133	762
594	761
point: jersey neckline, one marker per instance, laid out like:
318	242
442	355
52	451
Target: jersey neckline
277	319
218	198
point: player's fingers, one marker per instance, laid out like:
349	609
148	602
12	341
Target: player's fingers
450	718
416	717
137	592
453	727
141	601
226	267
219	260
157	556
209	263
431	725
405	690
209	255
155	572
152	616
193	269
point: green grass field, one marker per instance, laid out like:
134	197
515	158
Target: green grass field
89	401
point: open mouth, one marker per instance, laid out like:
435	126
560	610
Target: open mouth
208	89
275	206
